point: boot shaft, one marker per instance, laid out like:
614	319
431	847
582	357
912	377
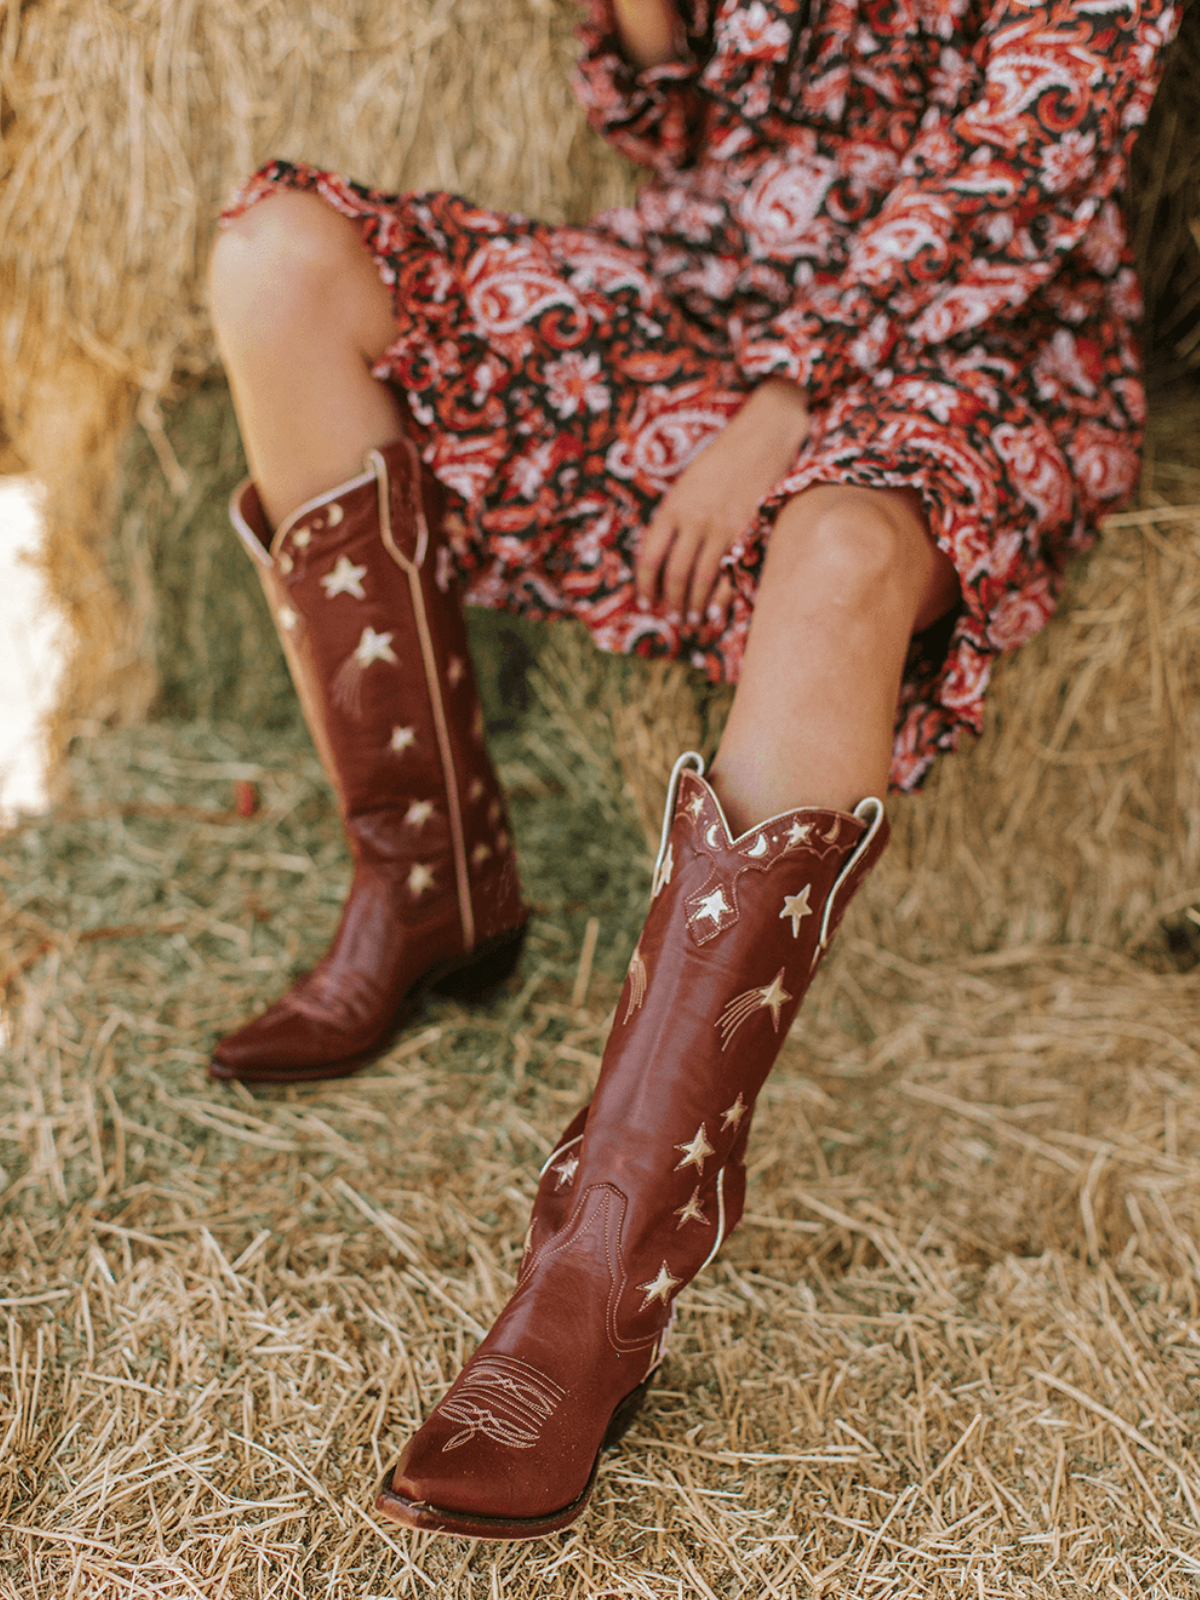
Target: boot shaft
736	930
362	589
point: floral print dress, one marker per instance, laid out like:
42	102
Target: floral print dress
912	208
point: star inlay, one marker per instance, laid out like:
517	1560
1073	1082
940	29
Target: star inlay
775	997
419	813
696	1152
659	1288
693	1211
797	907
733	1117
302	538
374	647
565	1172
799	833
287	618
696	805
713	905
345	578
419	879
403	739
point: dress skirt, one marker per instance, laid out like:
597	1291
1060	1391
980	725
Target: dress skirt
559	378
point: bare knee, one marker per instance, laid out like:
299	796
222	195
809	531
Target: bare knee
864	550
287	264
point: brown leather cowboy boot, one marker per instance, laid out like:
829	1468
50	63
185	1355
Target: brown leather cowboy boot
641	1189
365	601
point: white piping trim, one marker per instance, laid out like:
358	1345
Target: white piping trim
318	500
696	761
258	551
433	683
720	1221
872	808
559	1149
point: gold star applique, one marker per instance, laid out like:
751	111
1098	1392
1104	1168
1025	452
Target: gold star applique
733	1117
345	578
403	739
659	1288
455	670
419	879
419	813
797	907
799	833
664	872
565	1172
374	647
287	618
696	804
693	1211
713	905
696	1152
772	997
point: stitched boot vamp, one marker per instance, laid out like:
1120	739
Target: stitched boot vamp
519	1432
355	995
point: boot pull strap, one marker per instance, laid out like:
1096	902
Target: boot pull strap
869	811
689	760
416	505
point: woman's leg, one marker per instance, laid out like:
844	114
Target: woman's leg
373	628
643	1187
851	574
301	315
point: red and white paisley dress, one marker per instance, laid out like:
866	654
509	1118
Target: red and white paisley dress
913	208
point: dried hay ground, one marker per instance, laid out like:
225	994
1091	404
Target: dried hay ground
953	1351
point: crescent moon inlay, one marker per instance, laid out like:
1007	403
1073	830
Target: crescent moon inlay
759	847
708	835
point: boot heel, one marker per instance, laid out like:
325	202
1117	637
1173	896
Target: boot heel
623	1417
485	969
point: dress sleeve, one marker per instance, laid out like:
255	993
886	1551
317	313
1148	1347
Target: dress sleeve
651	114
989	199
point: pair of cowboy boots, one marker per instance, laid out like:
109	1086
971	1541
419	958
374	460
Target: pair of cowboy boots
648	1180
363	593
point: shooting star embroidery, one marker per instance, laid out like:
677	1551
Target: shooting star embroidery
772	997
637	981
